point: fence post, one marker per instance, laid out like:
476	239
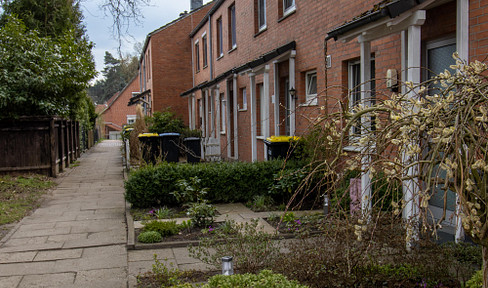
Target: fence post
77	137
52	147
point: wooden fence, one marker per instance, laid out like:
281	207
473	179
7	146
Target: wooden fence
45	145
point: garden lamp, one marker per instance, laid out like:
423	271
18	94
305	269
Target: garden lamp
227	265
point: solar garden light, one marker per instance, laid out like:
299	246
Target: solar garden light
227	265
326	204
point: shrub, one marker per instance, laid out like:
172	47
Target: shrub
476	281
251	247
201	214
164	228
149	237
265	279
227	182
164	122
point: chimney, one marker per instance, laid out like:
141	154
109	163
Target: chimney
195	4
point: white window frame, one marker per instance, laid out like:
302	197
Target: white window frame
197	55
354	96
310	98
220	38
244	100
261	11
233	26
289	9
262	111
205	50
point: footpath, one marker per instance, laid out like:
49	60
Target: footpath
79	235
77	238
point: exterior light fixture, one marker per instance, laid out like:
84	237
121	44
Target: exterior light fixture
227	266
326	204
293	93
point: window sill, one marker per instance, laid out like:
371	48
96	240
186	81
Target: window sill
222	132
204	67
287	14
242	110
311	102
352	149
260	137
232	50
261	31
220	57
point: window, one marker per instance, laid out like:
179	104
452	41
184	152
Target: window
223	111
439	58
220	42
232	27
288	6
261	15
197	56
204	47
311	88
354	84
243	100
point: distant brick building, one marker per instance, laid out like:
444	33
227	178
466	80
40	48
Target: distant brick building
117	113
165	64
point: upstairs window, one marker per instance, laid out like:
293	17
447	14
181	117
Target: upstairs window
197	56
220	42
288	6
232	27
311	88
205	48
243	100
261	15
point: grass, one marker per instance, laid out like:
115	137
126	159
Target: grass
20	195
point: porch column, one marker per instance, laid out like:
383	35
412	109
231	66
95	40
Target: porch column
292	85
205	119
276	98
236	127
266	107
411	187
462	43
365	67
252	86
217	113
228	128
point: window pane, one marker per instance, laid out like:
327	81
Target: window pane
288	4
219	37
204	40
312	84
233	24
244	98
262	13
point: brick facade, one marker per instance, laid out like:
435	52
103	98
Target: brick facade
307	25
116	112
166	63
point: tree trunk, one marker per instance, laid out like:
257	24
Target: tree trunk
485	266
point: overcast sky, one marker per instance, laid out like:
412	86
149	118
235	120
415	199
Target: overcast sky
99	25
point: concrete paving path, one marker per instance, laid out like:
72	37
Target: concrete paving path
77	238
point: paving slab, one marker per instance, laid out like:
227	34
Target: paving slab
48	280
9	282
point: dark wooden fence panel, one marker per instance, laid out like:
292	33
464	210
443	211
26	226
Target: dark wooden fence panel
45	145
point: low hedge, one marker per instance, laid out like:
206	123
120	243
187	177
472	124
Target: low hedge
151	186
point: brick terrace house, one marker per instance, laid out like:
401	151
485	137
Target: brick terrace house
266	67
165	64
116	113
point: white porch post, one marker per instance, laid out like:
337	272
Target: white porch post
205	119
462	43
266	107
411	187
276	98
217	114
365	66
252	86
292	85
236	127
190	122
228	127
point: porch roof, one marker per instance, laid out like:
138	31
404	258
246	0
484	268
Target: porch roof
138	97
249	65
385	9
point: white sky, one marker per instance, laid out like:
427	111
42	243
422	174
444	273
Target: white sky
99	25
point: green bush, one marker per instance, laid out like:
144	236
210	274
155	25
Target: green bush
149	237
164	228
227	182
165	122
476	281
265	279
201	214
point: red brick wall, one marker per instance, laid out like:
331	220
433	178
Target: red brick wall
169	63
118	110
308	26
